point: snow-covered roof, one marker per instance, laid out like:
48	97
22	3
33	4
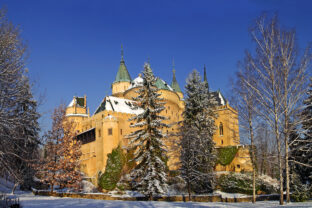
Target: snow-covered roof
160	83
71	104
217	95
116	104
80	101
136	82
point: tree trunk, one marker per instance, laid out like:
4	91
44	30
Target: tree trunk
287	171
52	187
252	158
14	187
189	190
280	172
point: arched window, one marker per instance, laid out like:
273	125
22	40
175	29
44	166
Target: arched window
221	129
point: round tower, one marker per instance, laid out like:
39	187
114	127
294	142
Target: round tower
122	80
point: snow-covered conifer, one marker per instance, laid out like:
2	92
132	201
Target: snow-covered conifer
149	175
18	111
197	146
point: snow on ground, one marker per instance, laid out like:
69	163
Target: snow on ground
28	200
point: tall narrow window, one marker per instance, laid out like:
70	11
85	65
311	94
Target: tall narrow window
99	132
221	129
120	131
110	131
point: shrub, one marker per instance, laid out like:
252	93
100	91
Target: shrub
300	191
226	155
113	171
242	183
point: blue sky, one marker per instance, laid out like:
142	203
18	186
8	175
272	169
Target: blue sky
74	45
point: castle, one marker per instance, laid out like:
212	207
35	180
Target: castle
108	126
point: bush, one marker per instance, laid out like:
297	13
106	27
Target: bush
242	183
226	155
300	192
113	171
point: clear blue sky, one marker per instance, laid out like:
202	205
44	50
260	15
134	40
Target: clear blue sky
74	45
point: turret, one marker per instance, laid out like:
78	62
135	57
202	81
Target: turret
174	84
122	80
77	110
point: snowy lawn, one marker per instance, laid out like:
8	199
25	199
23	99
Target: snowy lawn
29	200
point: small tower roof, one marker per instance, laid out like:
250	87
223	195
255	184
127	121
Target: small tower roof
174	84
122	74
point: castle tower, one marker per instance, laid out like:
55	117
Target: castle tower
77	110
174	84
122	80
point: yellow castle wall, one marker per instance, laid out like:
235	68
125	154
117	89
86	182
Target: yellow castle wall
229	119
120	87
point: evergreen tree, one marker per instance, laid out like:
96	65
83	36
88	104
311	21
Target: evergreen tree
18	111
197	146
302	150
149	175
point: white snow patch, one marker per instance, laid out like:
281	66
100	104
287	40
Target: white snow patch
120	105
71	103
29	200
136	82
88	187
73	114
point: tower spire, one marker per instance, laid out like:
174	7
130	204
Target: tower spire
205	73
122	54
174	84
205	77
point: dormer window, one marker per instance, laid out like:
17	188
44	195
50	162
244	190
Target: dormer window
221	129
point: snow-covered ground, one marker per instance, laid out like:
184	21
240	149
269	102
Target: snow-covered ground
28	200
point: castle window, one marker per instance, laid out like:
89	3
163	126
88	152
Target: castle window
238	166
169	107
221	141
99	132
110	131
221	129
120	131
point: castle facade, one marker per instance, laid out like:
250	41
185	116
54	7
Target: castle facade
103	131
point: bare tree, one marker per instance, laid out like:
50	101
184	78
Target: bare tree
60	165
280	84
244	101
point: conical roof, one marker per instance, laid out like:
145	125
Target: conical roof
122	74
174	84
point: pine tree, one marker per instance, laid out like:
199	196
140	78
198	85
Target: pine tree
304	145
147	142
197	146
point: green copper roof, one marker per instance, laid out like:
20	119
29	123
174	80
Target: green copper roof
160	84
122	74
174	84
